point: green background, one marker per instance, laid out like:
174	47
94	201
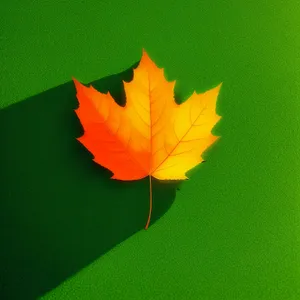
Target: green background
70	232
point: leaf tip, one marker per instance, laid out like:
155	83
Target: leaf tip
75	80
79	139
144	56
144	52
146	60
77	84
218	87
215	138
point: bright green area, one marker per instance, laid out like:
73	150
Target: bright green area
233	230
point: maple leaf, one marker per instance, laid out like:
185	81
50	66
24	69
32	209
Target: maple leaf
151	135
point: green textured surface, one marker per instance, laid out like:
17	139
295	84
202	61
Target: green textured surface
233	229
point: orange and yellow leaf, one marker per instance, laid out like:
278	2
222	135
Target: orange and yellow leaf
151	135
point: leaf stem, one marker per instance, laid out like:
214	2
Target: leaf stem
150	203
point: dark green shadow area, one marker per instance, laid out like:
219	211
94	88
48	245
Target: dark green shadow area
59	210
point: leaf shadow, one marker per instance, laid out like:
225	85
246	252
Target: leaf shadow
60	211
